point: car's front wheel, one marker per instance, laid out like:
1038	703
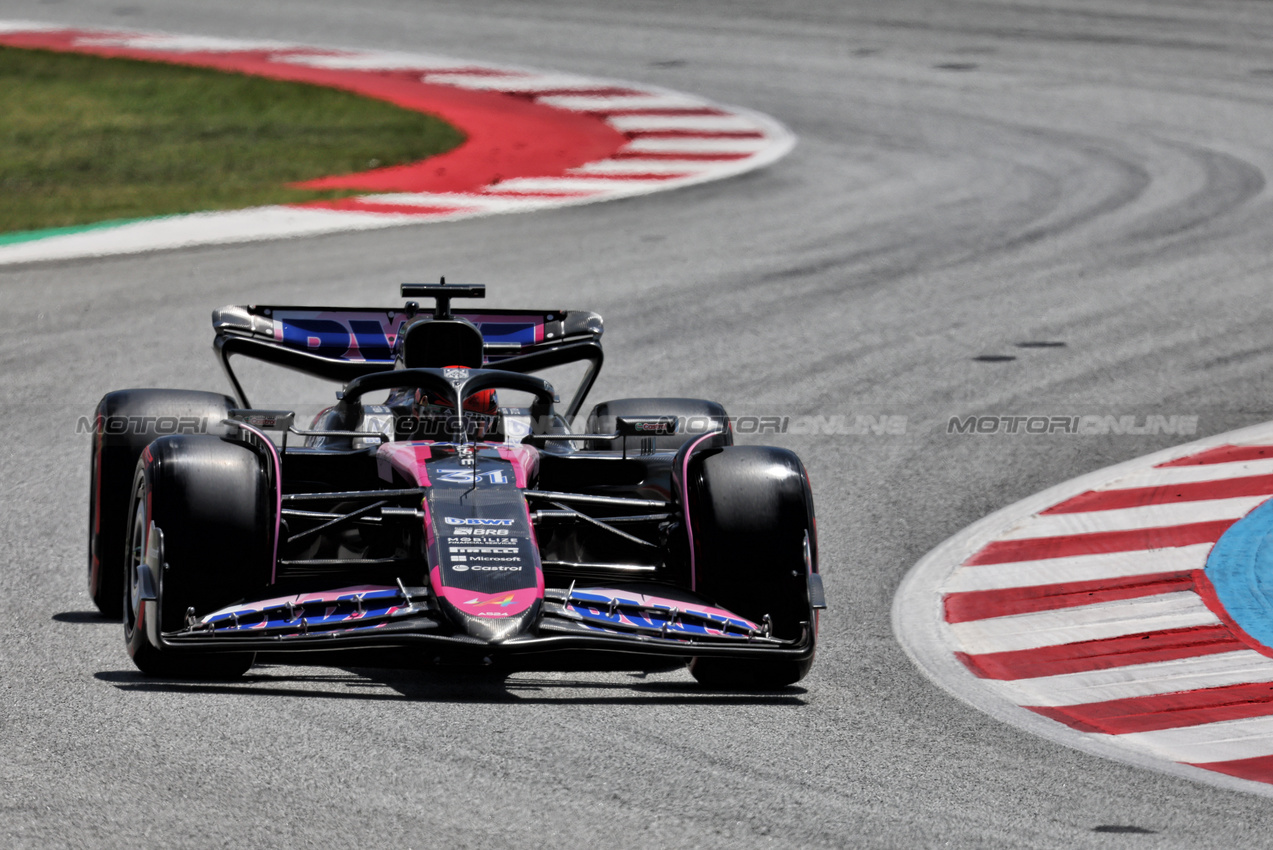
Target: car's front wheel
125	422
755	548
199	504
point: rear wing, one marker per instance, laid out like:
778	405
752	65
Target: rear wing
343	343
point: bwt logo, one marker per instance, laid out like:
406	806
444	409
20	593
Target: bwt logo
139	425
470	521
1090	425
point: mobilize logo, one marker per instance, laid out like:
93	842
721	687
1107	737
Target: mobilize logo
1090	425
476	521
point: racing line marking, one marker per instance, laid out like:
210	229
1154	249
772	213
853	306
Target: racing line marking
1122	613
536	140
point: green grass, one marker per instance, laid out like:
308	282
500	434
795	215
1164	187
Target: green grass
85	139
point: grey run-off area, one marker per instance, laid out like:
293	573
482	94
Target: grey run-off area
970	177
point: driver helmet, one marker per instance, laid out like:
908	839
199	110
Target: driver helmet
437	420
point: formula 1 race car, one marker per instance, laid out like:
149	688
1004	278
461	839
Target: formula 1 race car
422	518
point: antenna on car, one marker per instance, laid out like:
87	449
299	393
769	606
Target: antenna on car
442	293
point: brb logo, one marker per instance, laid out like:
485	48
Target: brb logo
473	521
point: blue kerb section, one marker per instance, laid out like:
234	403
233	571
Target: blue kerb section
1240	568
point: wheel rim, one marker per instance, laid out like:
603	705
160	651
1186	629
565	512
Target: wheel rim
136	554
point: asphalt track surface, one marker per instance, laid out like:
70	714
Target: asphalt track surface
970	176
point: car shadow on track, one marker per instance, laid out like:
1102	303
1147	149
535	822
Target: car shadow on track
453	686
94	617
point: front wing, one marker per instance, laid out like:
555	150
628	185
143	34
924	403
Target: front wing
404	617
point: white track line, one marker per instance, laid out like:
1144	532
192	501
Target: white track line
1249	737
181	43
618	102
1180	610
519	83
694	123
1077	568
475	203
1192	474
1130	519
214	228
375	62
28	26
689	145
1139	680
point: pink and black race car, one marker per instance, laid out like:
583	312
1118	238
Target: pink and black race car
443	511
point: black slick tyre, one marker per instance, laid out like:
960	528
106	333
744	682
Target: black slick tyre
125	422
755	546
208	499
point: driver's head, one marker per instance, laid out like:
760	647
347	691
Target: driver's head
438	421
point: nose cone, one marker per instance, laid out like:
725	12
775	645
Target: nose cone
497	631
491	617
484	561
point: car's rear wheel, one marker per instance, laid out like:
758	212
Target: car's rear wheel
125	422
695	417
206	499
755	547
